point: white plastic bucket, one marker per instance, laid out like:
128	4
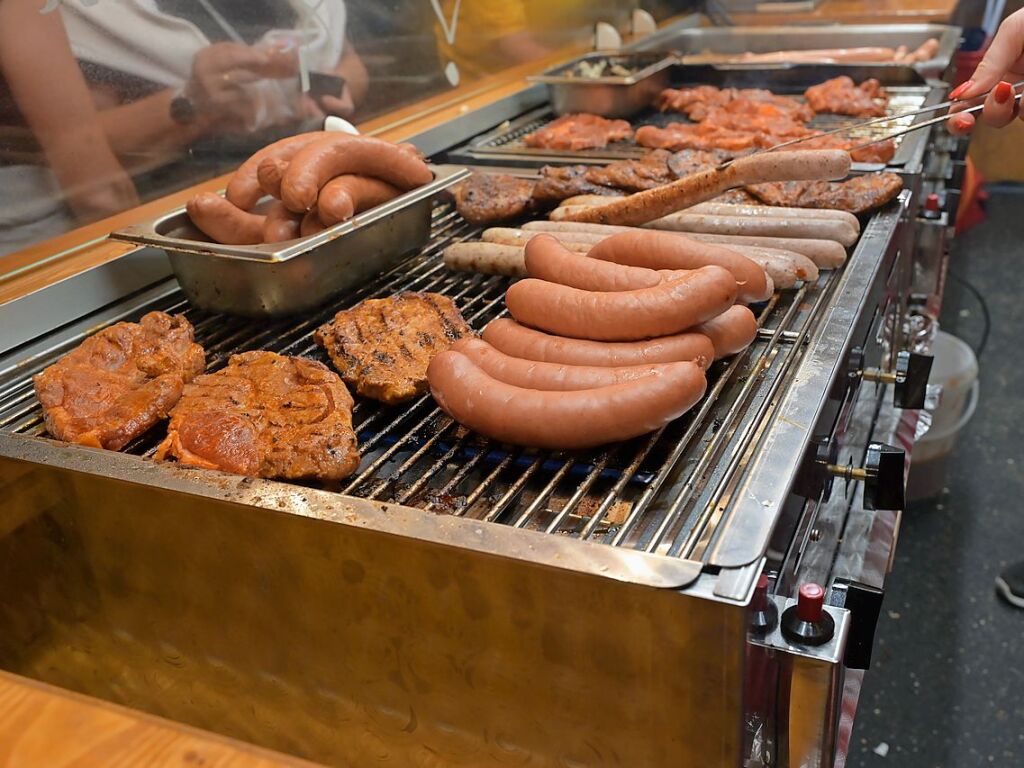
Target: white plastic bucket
956	370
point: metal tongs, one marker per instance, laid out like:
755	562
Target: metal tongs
890	118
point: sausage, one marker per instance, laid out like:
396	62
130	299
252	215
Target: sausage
580	241
224	222
519	341
319	162
244	188
562	420
666	250
550	377
311	223
825	254
280	224
732	331
801	266
818	229
586	200
651	204
662	310
777	212
486	259
269	173
547	259
343	197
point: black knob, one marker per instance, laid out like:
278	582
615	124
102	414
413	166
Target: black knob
807	622
912	372
885	483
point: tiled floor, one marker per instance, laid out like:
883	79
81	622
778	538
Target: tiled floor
946	689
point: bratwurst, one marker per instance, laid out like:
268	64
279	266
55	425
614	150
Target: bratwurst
224	222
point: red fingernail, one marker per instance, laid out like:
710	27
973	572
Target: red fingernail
962	123
1002	93
960	89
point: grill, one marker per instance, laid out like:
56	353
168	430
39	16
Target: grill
663	493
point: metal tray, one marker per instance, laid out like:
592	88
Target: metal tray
696	45
276	279
607	96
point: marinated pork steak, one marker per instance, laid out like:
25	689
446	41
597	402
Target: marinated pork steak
857	195
120	382
557	183
266	415
841	96
578	132
491	198
382	347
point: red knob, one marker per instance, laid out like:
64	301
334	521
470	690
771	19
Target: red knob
760	600
810	602
933	203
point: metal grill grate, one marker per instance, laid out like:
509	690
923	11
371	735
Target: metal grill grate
662	493
509	140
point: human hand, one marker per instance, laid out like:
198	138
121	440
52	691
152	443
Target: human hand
219	73
1003	65
342	106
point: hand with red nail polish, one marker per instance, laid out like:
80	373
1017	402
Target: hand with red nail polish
992	82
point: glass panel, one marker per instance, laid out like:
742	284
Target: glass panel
106	103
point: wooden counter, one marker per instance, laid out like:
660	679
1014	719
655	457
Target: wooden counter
859	12
46	726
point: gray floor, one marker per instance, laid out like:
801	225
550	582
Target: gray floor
946	689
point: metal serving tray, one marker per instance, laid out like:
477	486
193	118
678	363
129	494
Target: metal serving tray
275	279
702	45
607	96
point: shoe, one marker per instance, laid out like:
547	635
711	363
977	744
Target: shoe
1010	584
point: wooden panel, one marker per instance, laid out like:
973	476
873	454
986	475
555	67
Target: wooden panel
46	726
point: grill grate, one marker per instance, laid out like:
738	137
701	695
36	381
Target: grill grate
509	141
661	493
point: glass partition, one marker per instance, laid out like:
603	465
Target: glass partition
106	103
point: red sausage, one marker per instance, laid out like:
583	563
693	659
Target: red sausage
311	224
547	259
580	418
280	224
223	222
344	196
317	163
732	331
269	173
668	250
669	307
550	377
517	340
244	188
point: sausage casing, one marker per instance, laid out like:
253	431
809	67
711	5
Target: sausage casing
269	173
547	259
224	222
344	196
732	331
281	224
562	420
244	188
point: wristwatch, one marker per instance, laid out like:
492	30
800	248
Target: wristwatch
183	110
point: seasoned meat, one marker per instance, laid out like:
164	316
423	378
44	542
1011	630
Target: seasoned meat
491	198
577	132
687	161
266	415
560	182
120	382
879	152
857	195
382	347
841	96
634	175
682	99
676	136
702	101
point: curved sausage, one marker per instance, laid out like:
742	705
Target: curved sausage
549	377
517	340
319	162
699	187
269	173
311	224
667	308
344	196
666	250
732	331
819	229
244	188
280	224
547	259
223	222
562	420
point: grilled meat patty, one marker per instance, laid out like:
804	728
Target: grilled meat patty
491	198
578	132
382	347
120	382
266	415
841	96
857	195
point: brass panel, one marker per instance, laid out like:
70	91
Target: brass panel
347	645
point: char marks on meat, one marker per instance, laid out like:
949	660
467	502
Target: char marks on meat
120	382
491	198
648	172
266	415
382	347
857	195
578	132
558	183
687	161
841	96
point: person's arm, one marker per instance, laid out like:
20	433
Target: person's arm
1003	65
52	95
357	83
